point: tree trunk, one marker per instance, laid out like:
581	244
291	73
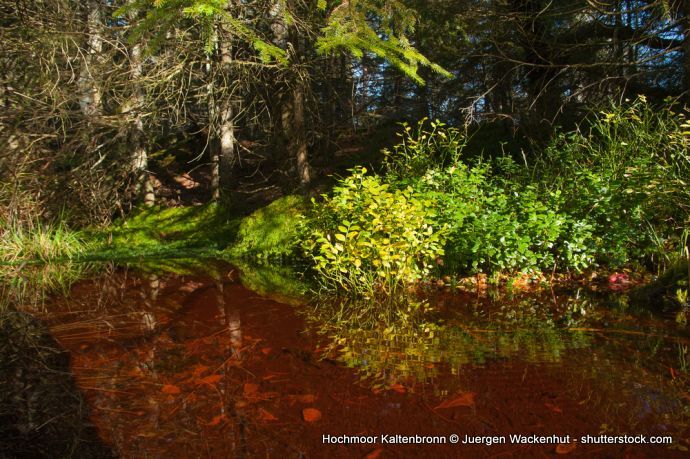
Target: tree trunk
89	91
221	110
143	185
298	141
226	120
298	138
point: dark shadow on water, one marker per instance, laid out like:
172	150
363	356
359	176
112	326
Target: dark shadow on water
42	412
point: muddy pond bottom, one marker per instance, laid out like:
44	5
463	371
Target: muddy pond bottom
199	365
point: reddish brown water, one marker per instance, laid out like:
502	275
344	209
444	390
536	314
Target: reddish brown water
199	366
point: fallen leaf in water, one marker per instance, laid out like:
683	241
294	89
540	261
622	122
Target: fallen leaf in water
250	389
239	404
211	380
374	454
311	414
216	420
399	388
552	407
266	350
464	399
266	416
199	370
306	398
135	372
566	448
170	389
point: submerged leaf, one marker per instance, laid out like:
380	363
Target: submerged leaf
566	448
170	389
211	380
311	414
266	416
465	399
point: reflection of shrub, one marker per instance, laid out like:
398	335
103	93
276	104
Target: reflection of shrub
405	343
368	236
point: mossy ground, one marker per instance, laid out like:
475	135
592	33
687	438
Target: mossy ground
272	232
176	231
211	230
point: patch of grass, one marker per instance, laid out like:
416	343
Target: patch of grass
39	242
272	232
38	259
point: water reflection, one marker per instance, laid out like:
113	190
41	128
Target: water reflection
177	363
412	342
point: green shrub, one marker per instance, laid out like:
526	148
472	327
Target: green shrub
497	219
430	145
368	237
628	176
614	195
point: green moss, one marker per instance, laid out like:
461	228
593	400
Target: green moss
204	231
271	232
167	231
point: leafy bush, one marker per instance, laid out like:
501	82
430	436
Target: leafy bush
627	176
615	194
497	219
423	148
368	237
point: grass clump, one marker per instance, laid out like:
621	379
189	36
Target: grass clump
38	259
35	242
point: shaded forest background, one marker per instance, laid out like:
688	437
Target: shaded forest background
107	105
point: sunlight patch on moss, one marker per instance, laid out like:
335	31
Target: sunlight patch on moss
272	232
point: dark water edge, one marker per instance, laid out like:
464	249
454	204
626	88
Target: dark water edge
210	360
42	411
